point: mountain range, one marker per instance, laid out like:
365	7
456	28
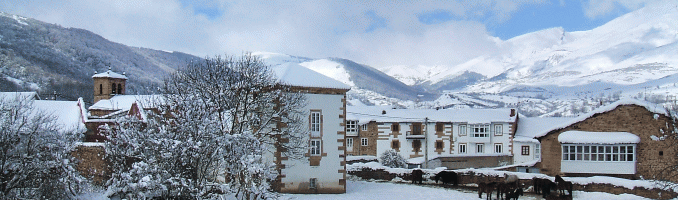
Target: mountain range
549	72
48	58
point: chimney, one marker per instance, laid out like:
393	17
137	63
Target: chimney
513	112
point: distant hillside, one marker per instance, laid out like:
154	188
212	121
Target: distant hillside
37	56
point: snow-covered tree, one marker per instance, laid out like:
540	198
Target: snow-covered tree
213	125
393	159
35	161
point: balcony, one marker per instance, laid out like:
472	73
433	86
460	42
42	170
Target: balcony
351	133
415	135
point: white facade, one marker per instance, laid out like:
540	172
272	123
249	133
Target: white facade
420	134
323	167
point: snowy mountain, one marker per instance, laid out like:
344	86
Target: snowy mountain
369	86
43	57
554	72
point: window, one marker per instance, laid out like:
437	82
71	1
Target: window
101	88
462	148
480	130
440	127
416	144
315	124
600	153
363	141
480	148
537	151
351	126
525	150
119	88
312	183
364	127
498	130
462	129
416	128
395	144
498	148
349	143
315	147
395	127
113	87
439	145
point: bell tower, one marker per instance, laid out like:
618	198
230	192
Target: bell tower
108	84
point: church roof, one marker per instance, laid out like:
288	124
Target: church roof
109	74
296	75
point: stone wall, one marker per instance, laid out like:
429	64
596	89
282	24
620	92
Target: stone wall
371	135
625	118
470	162
92	163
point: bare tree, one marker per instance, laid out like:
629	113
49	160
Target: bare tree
216	120
35	159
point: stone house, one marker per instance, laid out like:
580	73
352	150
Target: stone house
451	138
628	139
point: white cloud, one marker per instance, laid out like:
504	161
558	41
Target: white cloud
315	29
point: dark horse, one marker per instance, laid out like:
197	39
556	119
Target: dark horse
505	188
538	183
486	188
546	188
417	176
447	177
563	186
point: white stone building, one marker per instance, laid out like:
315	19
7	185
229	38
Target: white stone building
323	170
454	138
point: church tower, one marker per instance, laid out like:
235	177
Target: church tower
108	84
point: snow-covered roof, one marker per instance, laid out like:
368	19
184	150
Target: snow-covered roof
529	127
584	137
69	114
296	75
19	95
655	108
365	114
124	102
109	74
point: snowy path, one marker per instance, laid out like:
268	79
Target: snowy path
387	190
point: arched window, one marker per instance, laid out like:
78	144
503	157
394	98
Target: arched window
113	87
119	88
101	88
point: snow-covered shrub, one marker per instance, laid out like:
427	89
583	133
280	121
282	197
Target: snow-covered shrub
392	159
35	154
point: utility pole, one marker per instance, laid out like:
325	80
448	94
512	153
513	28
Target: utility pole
426	143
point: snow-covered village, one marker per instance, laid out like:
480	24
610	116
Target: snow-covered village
300	100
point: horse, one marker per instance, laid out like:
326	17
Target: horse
505	188
537	184
514	194
487	188
417	176
447	177
510	178
546	187
563	186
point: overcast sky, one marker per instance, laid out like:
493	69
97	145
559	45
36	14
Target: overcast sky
378	33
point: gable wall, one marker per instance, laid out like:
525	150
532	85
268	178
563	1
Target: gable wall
626	118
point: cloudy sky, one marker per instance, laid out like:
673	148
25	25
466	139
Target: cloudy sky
378	33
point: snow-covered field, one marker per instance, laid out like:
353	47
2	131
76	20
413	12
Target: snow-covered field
388	190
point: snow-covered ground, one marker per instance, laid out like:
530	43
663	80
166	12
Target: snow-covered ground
387	190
